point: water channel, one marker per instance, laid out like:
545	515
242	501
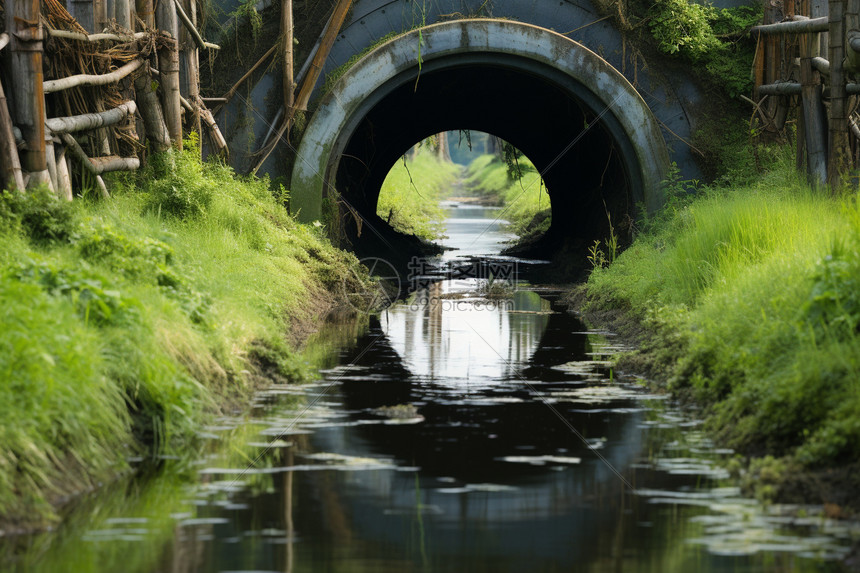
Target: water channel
451	433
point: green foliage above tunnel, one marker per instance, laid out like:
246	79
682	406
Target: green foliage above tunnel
714	41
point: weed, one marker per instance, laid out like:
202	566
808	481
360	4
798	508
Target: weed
38	213
758	317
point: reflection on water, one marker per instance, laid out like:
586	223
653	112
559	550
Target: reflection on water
455	435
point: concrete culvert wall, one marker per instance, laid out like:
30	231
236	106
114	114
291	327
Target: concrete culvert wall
586	129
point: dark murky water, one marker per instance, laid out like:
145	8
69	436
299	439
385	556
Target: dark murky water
521	452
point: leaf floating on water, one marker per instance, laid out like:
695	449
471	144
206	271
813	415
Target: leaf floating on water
541	460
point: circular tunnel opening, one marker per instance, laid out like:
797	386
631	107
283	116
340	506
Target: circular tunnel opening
465	174
578	147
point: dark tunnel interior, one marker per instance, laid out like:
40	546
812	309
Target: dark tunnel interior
578	147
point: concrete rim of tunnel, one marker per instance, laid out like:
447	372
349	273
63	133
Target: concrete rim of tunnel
325	138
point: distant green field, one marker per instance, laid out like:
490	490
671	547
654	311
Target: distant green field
410	196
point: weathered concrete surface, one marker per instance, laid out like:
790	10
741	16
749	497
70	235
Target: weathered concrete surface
590	81
670	95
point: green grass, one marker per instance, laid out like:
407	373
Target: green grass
410	196
125	323
487	176
753	299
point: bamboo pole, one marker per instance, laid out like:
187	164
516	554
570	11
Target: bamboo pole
10	165
151	113
190	76
168	66
146	13
287	34
51	160
123	14
114	163
25	60
227	96
840	154
191	27
328	37
206	117
113	77
99	14
110	12
99	165
780	89
64	177
795	27
96	37
814	115
91	120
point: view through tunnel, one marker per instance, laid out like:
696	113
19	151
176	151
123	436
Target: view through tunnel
587	132
452	173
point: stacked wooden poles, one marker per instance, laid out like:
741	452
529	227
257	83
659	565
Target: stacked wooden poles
168	64
306	88
25	59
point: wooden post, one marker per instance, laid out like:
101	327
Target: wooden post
100	14
814	116
150	110
328	38
10	164
287	34
190	70
123	13
25	58
145	12
168	66
840	151
64	178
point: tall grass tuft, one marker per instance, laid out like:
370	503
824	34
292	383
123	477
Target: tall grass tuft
125	323
752	294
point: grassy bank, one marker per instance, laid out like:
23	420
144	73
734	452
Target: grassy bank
125	323
522	199
751	302
410	196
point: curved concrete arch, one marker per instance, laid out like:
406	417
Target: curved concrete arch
598	85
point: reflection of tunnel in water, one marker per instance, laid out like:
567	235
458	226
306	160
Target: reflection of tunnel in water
581	160
469	427
471	424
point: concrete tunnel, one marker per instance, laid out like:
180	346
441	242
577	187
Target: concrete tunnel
584	126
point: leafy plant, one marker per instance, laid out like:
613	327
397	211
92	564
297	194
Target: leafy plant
178	188
38	213
90	294
713	39
680	26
